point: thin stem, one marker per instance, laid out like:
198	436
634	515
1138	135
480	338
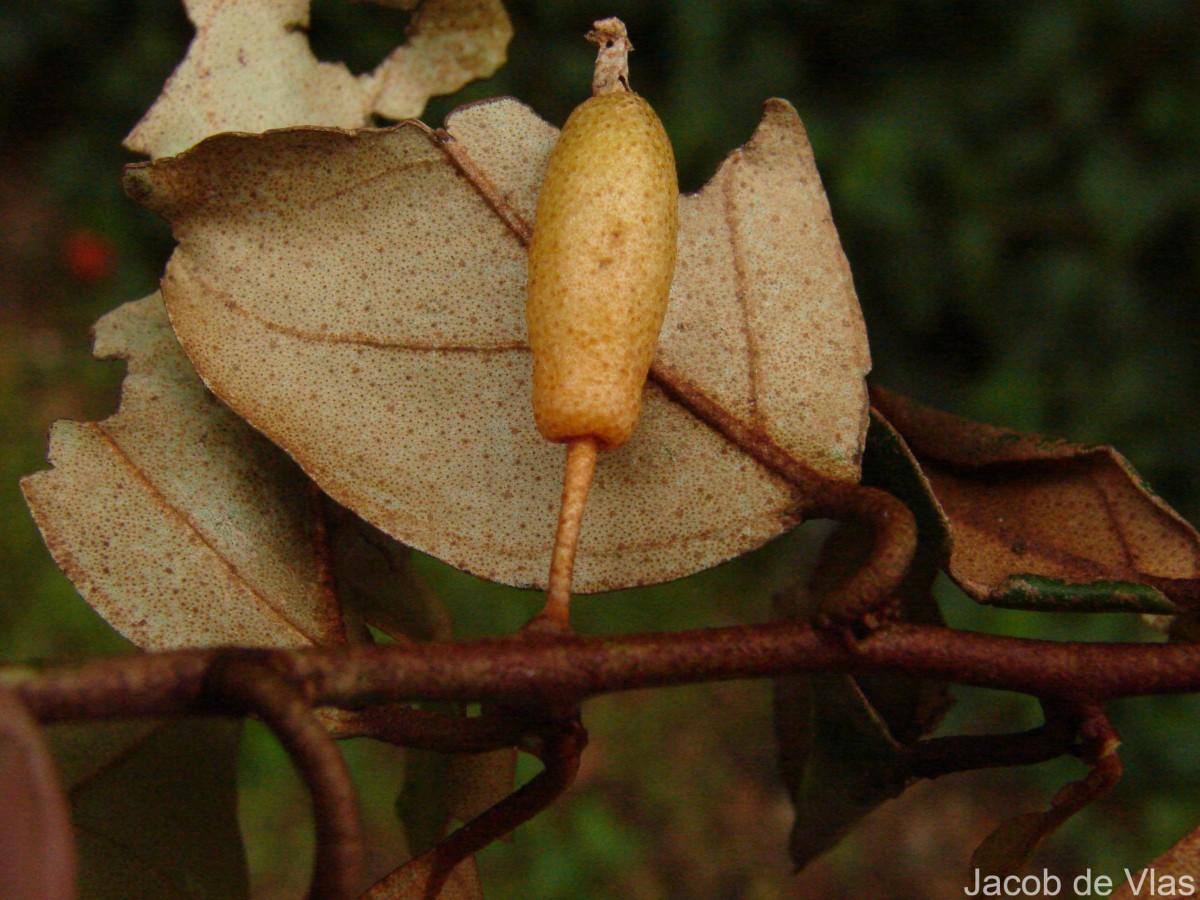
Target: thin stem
249	684
560	754
1013	843
577	481
1057	734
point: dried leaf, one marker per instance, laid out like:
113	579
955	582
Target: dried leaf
1045	524
176	521
837	758
233	519
250	68
842	739
37	848
478	781
359	298
442	790
1174	874
1007	849
411	882
375	583
155	808
450	42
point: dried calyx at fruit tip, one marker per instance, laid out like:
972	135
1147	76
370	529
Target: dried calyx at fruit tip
601	261
612	61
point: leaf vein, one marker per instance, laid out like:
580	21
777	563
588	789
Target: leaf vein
365	181
170	509
357	339
1114	522
741	282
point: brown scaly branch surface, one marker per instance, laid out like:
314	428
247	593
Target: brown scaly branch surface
536	671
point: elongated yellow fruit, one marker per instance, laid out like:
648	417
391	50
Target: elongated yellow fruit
600	265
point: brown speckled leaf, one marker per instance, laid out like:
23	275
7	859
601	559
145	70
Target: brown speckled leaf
176	521
478	781
250	68
1046	524
411	882
1175	873
359	297
37	848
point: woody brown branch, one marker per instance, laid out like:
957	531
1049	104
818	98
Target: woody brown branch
540	670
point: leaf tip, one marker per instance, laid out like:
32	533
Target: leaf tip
135	181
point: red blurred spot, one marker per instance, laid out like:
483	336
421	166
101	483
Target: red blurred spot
88	257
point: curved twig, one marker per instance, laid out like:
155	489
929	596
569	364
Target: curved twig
1058	734
866	598
868	595
559	752
249	684
1013	843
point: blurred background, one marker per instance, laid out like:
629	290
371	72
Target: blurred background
1017	187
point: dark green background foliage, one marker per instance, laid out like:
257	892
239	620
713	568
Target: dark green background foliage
1017	185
